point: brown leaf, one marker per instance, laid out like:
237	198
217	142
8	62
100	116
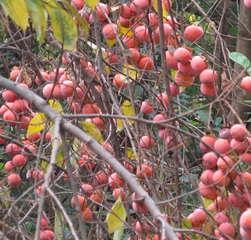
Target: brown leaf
225	82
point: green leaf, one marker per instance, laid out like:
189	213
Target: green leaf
118	233
63	27
112	220
17	10
92	130
38	17
81	21
59	225
127	110
247	101
241	60
37	124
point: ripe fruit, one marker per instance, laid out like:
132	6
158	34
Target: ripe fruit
171	62
87	214
221	204
9	166
246	84
162	99
90	108
82	202
14	179
125	11
118	192
221	179
86	162
186	69
146	108
225	163
35	175
101	178
44	223
141	34
158	118
12	149
140	208
174	90
97	197
209	140
245	157
115	181
228	229
146	142
46	235
239	146
182	55
209	91
14	74
99	8
19	160
24	122
167	31
153	19
120	81
207	177
139	5
45	75
10	118
144	171
193	33
86	189
199	217
79	4
183	80
238	132
245	220
245	234
110	31
207	192
9	96
67	88
142	227
198	64
208	77
34	137
222	146
220	218
145	63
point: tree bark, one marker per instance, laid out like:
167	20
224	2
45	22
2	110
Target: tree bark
243	46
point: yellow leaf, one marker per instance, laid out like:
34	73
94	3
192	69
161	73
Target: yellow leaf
91	3
206	202
76	152
131	71
17	10
36	124
91	129
173	72
127	110
130	154
59	159
110	43
38	17
56	105
81	21
112	220
63	27
125	31
118	233
164	12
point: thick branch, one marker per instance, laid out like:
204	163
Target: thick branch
52	114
